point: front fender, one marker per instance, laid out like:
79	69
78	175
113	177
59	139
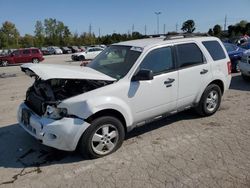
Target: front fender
85	109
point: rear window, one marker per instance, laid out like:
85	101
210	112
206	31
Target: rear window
215	50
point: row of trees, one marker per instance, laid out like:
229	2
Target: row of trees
239	29
54	32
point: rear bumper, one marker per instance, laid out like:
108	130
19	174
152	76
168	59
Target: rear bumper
62	134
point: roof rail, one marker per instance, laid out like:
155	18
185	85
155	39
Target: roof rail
184	35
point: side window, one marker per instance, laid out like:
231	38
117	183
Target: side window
15	53
34	51
188	55
26	52
214	49
158	60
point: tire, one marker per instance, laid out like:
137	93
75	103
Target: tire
103	137
237	67
35	60
246	78
81	58
4	63
210	101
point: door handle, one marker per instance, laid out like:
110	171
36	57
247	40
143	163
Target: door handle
204	71
169	81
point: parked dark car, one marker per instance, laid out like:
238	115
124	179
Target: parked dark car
74	49
66	50
235	53
82	48
245	45
46	51
26	55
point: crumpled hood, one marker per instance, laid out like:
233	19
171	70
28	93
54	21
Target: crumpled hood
51	71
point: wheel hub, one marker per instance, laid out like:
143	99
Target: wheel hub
105	139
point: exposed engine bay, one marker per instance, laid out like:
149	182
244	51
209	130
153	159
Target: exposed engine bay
51	92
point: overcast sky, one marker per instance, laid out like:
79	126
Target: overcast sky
120	16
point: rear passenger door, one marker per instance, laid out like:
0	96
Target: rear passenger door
193	73
26	57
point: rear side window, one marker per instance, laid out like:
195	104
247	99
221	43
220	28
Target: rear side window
188	55
26	51
34	51
158	60
215	50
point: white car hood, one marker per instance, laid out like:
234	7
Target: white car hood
46	72
79	53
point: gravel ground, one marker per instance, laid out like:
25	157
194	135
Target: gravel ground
183	150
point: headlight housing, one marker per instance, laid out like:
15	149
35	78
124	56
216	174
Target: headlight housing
55	113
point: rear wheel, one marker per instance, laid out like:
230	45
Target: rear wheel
4	63
81	58
103	137
237	67
35	60
210	100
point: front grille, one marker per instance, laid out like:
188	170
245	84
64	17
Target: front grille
35	102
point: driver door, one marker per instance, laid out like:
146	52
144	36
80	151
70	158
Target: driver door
155	97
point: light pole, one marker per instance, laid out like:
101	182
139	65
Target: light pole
157	16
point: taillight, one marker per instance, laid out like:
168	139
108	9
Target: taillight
229	67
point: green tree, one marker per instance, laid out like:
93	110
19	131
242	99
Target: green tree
67	36
9	35
188	26
50	31
217	30
248	28
210	32
27	41
39	34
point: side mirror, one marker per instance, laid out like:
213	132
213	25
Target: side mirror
143	74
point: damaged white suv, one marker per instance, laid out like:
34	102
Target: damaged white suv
129	84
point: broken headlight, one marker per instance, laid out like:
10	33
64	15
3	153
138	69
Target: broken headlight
55	113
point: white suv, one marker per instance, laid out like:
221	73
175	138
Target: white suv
129	84
89	54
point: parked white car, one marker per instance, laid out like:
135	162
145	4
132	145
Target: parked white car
55	50
129	84
89	54
244	66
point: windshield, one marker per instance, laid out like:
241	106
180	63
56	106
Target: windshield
115	60
229	47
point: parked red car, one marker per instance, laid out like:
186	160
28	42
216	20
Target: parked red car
26	55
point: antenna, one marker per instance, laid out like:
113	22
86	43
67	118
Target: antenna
225	23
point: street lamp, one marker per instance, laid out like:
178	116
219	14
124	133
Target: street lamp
157	16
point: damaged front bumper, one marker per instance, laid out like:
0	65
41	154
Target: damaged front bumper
62	134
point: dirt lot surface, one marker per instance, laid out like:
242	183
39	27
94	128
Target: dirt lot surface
180	151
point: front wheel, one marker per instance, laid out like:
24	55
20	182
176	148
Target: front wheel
246	78
103	137
81	58
210	100
35	60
